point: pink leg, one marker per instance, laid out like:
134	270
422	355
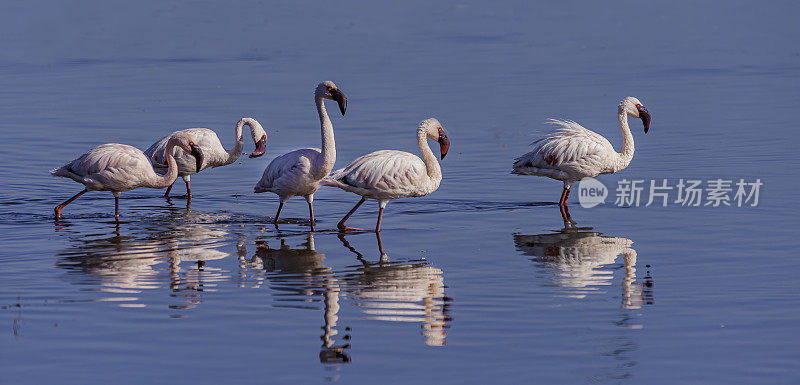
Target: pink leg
311	213
166	194
380	216
188	196
116	207
565	214
564	197
278	214
380	244
68	201
341	225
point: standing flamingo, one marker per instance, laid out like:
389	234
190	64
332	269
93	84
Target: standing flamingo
573	152
389	174
215	154
298	172
118	167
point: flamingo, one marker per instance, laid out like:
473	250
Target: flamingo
298	172
215	154
118	167
389	174
574	152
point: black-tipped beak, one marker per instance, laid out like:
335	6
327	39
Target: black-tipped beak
444	143
645	116
339	97
197	153
261	147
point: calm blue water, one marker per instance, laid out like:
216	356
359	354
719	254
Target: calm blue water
476	283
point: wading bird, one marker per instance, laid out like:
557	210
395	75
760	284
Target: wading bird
389	174
298	172
118	167
573	152
215	154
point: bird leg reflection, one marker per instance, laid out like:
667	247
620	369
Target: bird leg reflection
330	353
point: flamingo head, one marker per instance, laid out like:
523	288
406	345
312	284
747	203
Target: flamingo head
433	129
633	107
259	137
187	143
329	90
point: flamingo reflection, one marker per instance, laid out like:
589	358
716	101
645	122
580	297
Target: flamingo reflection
126	265
411	291
580	261
299	277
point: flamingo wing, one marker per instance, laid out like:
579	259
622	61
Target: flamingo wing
571	150
287	171
112	166
383	174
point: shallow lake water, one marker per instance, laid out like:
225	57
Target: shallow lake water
478	282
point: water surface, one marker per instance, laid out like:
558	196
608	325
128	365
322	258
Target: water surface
478	282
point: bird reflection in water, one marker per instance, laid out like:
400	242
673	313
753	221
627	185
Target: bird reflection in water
299	277
580	262
149	259
409	291
580	259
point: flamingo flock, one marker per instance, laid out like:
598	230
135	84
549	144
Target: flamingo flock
569	154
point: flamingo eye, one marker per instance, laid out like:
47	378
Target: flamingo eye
638	106
191	143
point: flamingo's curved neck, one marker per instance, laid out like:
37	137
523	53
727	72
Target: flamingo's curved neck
434	170
324	164
626	155
166	180
238	146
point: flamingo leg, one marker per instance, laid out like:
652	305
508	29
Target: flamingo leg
116	206
166	194
380	244
66	202
188	195
380	216
564	197
310	200
278	214
341	225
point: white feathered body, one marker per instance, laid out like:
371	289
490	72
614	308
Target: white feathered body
570	154
385	175
110	167
291	174
215	155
